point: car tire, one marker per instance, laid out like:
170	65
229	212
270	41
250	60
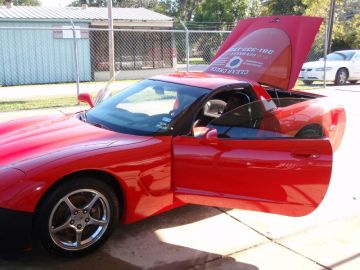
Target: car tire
313	131
77	217
353	82
341	76
308	82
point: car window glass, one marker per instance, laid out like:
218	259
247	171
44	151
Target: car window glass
255	121
145	108
340	56
150	101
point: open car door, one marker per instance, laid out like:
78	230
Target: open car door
267	50
248	160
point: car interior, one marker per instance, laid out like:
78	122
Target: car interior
228	113
222	103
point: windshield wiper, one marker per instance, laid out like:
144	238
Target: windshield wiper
82	116
99	125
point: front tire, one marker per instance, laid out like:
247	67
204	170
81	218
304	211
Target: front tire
77	217
308	82
341	76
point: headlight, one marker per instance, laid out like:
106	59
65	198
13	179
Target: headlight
322	69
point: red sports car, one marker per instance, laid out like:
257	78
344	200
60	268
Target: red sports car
232	136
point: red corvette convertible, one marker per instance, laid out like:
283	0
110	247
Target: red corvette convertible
232	136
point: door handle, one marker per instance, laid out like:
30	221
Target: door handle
305	155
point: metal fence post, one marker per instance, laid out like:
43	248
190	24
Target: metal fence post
187	44
111	41
325	53
76	60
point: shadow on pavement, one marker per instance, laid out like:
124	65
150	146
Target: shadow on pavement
135	246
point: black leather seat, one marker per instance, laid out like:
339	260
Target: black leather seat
236	100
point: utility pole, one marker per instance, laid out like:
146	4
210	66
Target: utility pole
330	24
111	41
187	46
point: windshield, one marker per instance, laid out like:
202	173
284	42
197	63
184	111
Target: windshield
145	108
340	56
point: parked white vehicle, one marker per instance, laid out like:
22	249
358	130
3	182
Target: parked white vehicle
341	66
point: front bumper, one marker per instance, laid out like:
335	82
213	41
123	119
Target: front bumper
313	75
15	230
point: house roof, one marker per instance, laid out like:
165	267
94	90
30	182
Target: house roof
78	13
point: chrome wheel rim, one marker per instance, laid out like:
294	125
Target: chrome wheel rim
79	219
342	77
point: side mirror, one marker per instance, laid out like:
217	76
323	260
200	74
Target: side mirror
211	136
86	98
200	132
208	135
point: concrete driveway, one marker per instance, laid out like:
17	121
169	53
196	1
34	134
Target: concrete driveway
197	237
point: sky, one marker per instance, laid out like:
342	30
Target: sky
55	3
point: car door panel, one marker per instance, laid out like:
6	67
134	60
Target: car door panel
251	158
283	176
356	67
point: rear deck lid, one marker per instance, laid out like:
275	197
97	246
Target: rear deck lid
269	50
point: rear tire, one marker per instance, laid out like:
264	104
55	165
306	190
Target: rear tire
313	131
77	217
341	76
308	82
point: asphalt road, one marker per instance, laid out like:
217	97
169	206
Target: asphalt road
197	237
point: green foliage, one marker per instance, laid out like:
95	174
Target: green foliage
168	7
119	3
226	11
209	48
179	9
346	29
221	15
23	2
346	32
319	8
254	8
284	7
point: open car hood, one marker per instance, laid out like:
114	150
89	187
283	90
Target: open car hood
269	50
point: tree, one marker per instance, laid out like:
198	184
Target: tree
254	8
180	9
346	30
23	2
318	8
119	3
284	7
222	11
216	14
346	26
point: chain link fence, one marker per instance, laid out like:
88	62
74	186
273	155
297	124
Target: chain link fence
76	54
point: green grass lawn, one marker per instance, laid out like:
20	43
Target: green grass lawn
40	103
194	61
301	86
